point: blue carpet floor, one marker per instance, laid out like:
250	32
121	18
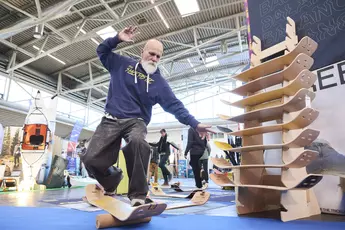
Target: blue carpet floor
29	218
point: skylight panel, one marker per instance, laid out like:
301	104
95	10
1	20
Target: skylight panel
187	7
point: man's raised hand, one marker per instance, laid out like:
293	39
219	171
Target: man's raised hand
128	33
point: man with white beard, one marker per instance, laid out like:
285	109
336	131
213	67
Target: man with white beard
135	87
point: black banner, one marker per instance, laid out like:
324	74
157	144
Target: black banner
322	20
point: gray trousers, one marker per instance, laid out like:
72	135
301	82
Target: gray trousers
103	150
329	162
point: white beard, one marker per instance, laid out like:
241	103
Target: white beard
149	67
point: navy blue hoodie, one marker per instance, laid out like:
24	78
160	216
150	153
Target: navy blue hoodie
132	92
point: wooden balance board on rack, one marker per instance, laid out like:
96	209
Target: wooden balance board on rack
305	138
304	80
157	191
301	63
306	45
303	119
295	103
122	213
224	129
306	183
301	161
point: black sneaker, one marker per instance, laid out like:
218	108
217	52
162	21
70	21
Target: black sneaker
117	176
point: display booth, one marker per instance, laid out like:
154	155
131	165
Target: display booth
322	22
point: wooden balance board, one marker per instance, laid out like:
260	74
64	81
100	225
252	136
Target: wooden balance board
157	191
304	80
305	138
300	63
301	161
306	183
122	212
303	119
199	198
177	188
296	103
305	45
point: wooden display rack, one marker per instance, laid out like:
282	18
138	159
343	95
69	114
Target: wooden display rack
285	105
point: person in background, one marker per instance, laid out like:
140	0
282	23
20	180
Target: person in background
196	145
64	154
67	179
204	161
164	153
16	154
153	165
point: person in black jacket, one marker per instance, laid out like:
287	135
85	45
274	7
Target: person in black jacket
196	146
164	152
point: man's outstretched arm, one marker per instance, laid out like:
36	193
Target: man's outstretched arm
171	104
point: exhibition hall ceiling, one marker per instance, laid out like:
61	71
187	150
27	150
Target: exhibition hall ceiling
51	44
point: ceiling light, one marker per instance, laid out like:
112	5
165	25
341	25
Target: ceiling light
94	40
107	32
55	58
211	61
187	8
161	15
38	33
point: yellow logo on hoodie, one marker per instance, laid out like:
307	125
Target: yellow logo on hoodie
130	70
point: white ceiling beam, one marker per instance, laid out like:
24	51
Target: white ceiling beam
202	65
82	88
38	7
159	37
110	10
82	82
228	34
76	23
15	47
106	76
47	15
196	44
97	100
176	43
88	35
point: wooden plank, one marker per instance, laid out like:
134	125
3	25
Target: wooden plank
305	45
305	138
301	161
303	119
295	103
300	63
306	183
304	80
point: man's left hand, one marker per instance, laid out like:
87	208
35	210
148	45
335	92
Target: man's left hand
203	129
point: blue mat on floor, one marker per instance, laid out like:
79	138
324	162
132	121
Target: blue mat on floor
29	218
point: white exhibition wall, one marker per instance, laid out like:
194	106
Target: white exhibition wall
330	92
